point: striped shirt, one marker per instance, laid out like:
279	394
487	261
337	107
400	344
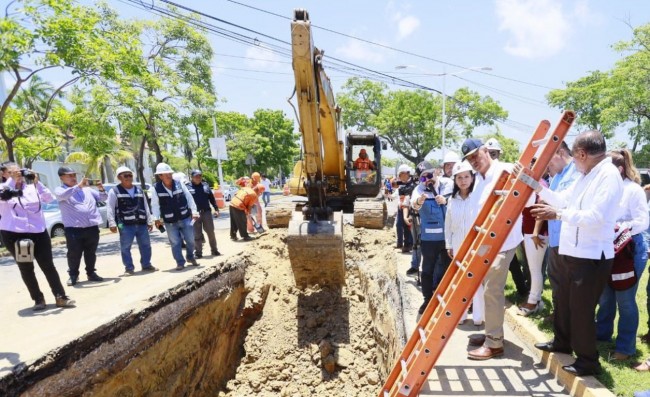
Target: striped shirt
79	205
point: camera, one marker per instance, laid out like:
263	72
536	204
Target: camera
29	175
93	182
8	193
161	228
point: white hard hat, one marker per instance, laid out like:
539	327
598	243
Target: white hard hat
403	168
461	167
122	169
451	157
493	144
163	168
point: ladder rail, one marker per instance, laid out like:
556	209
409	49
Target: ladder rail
476	254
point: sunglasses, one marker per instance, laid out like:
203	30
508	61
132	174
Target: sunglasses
127	175
428	175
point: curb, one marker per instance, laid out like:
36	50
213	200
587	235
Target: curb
576	386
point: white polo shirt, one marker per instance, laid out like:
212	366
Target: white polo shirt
589	209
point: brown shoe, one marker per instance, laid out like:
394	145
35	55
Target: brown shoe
477	340
485	353
617	356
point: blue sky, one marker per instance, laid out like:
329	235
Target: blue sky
531	46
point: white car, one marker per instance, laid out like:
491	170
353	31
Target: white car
54	224
229	191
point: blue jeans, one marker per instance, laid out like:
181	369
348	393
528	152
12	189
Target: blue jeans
404	237
176	233
628	312
266	196
416	258
141	234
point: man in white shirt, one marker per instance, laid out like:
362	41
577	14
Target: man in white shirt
586	249
488	172
266	195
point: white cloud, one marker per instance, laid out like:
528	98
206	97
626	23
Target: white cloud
538	28
356	50
407	25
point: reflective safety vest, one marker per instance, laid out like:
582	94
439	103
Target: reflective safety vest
244	199
130	210
172	208
432	221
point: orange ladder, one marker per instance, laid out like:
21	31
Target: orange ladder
471	263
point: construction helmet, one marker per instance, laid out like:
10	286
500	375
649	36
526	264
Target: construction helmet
403	168
493	144
424	166
256	177
461	167
163	168
451	157
122	169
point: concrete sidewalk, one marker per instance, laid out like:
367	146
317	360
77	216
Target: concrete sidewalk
521	371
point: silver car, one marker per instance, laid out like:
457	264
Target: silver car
54	224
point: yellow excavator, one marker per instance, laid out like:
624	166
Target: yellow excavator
336	175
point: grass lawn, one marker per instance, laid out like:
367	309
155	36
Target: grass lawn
620	378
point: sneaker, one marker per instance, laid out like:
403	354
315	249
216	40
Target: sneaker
525	311
193	262
95	277
40	305
198	256
150	269
216	253
179	268
64	301
411	271
127	273
71	281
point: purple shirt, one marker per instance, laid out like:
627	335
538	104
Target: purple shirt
24	215
79	205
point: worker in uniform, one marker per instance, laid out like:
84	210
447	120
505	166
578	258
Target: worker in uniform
203	198
240	208
173	205
363	165
128	213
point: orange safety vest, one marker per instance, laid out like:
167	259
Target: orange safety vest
244	199
362	164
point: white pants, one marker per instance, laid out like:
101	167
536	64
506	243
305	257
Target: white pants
535	257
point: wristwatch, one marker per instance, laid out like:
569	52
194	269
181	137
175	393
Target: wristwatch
558	215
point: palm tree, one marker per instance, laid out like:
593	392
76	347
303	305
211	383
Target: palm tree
95	162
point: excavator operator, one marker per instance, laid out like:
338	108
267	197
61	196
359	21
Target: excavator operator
363	165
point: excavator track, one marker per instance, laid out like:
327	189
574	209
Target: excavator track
370	214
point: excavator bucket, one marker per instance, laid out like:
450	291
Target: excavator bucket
316	252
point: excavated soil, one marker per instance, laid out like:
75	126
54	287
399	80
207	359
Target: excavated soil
244	329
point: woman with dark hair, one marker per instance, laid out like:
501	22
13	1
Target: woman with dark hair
632	216
458	222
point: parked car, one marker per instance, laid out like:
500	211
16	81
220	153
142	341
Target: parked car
229	191
53	222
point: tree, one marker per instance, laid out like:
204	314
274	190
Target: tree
411	120
53	34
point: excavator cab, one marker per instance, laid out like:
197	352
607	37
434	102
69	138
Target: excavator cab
363	177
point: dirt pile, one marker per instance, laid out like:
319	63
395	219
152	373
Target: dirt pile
321	341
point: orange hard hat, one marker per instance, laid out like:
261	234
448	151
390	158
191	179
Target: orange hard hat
256	176
259	189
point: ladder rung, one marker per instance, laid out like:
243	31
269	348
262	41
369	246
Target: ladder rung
501	192
423	335
441	300
472	252
539	142
460	265
404	366
386	393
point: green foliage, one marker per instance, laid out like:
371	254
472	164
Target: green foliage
411	121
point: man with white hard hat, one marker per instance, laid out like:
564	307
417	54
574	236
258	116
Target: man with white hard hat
494	148
173	205
446	180
128	212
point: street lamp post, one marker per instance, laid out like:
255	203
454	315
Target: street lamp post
444	74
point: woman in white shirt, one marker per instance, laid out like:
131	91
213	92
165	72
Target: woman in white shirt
633	215
458	221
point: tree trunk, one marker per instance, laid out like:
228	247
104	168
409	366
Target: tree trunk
153	144
140	162
107	170
10	150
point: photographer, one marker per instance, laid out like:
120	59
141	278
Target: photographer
80	216
22	221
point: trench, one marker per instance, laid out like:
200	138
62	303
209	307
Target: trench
242	329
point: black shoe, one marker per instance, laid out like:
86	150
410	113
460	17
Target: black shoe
193	262
233	238
423	307
198	256
399	246
411	271
216	253
248	238
95	277
150	269
40	305
71	281
406	249
579	371
549	347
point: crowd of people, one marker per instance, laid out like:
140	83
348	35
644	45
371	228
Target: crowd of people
182	209
588	198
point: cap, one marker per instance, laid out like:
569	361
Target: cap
196	172
66	171
425	166
163	168
493	144
403	168
451	157
470	146
122	169
461	167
